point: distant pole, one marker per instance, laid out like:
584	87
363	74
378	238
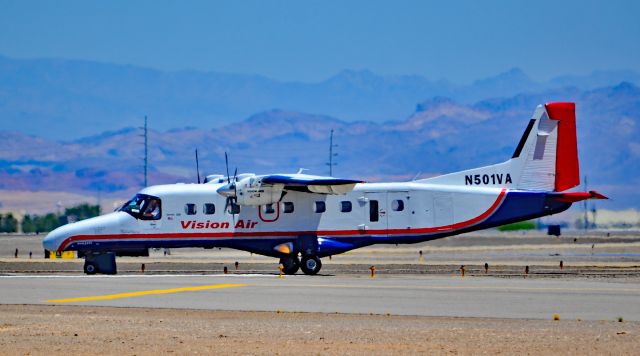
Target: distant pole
331	154
586	216
146	151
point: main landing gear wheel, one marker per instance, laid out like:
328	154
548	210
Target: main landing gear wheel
90	268
290	264
310	265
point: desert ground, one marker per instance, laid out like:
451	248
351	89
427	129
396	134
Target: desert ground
62	329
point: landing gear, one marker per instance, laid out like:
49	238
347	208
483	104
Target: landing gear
90	267
291	264
310	265
100	262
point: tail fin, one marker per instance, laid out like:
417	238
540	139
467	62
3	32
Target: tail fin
546	158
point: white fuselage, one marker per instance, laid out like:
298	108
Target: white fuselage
380	209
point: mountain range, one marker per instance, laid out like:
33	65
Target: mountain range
48	97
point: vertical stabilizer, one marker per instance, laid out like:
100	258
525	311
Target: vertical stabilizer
545	159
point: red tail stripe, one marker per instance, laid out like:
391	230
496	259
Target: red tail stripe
567	166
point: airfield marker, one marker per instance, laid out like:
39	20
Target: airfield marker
145	292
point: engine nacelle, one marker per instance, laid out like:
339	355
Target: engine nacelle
251	191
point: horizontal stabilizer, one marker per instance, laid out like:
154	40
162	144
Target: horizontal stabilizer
573	197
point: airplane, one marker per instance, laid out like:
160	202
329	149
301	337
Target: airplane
300	218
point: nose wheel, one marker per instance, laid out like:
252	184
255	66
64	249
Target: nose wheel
90	267
310	265
100	262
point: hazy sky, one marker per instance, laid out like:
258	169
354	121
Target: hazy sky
312	40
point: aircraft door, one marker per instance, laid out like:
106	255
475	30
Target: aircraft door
443	209
422	213
375	211
400	210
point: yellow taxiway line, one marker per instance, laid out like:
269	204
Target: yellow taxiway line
145	292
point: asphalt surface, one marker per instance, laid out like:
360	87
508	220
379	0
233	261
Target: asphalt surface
453	296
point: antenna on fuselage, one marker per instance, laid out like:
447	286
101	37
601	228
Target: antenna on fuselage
231	201
197	166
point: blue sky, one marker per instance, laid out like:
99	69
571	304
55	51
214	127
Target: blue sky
312	40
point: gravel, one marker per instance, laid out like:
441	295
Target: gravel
35	330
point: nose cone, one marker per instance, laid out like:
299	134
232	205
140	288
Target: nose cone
227	190
55	240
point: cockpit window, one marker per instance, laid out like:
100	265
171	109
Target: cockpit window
143	207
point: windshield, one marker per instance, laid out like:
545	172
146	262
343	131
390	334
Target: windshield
143	207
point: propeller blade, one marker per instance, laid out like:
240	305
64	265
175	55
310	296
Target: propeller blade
226	163
226	204
197	166
235	185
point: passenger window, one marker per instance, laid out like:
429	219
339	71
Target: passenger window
397	205
320	207
373	210
287	207
268	209
190	209
209	209
345	206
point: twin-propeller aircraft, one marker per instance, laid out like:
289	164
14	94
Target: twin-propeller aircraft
301	218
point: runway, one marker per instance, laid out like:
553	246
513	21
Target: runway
453	296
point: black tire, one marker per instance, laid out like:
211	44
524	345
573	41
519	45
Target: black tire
291	264
310	265
90	268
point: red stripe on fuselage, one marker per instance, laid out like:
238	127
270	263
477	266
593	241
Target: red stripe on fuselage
424	230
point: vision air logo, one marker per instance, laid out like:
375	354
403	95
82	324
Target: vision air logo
486	179
213	225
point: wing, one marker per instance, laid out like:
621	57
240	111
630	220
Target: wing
312	184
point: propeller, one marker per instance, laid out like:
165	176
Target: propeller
197	166
230	190
235	183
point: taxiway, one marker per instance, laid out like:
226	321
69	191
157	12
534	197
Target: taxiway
453	296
